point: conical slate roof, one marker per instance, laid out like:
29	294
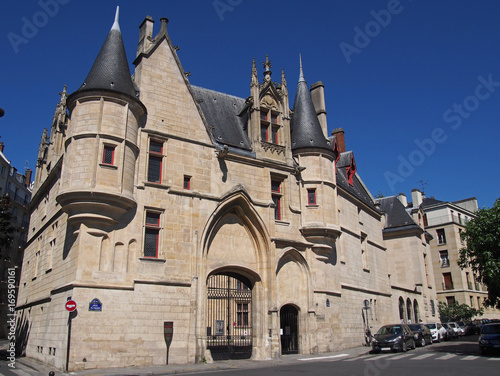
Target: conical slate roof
306	131
110	70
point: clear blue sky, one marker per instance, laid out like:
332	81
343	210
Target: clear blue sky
415	84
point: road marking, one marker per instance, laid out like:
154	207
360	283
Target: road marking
470	357
497	359
446	357
358	358
326	357
378	357
401	356
423	356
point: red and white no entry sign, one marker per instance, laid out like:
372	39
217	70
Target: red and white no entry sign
70	305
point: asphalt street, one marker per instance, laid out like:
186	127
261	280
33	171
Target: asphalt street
457	357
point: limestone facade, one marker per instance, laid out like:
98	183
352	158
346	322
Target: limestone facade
142	198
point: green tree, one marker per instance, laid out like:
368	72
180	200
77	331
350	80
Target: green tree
482	251
6	228
457	312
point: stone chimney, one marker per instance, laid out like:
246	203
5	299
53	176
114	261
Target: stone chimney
403	200
2	146
416	197
318	99
339	134
27	176
145	35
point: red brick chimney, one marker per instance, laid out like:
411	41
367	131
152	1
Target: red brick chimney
339	135
1	146
27	175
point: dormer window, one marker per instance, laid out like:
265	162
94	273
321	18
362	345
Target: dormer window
269	126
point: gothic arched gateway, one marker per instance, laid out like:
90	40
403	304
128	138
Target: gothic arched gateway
229	316
289	329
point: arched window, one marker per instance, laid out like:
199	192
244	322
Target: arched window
408	310
401	308
415	311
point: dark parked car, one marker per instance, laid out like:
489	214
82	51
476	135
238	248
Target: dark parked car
490	338
451	333
397	337
421	334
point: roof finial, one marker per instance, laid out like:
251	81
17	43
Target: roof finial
301	75
116	26
267	69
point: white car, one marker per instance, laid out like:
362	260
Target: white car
458	330
438	332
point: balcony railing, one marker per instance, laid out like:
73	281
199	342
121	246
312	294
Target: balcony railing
445	263
446	219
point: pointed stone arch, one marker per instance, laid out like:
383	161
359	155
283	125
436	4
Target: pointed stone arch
235	242
235	219
292	266
295	301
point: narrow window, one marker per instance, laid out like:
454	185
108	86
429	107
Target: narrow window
311	196
447	281
187	182
151	234
274	139
276	196
108	155
441	237
242	314
155	161
443	257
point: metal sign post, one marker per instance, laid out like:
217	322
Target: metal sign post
168	332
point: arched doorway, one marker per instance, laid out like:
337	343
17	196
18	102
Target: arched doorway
229	316
289	329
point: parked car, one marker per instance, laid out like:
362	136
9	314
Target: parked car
480	323
397	337
470	328
490	338
458	330
438	332
421	334
451	334
463	327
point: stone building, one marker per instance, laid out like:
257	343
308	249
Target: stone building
239	220
445	221
18	188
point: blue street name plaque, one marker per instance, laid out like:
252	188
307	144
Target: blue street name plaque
95	305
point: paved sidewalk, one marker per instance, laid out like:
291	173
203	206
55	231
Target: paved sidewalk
35	368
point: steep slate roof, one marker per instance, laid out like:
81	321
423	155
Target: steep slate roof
396	213
110	70
305	129
225	115
430	201
358	188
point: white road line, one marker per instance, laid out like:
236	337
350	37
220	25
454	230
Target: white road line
357	358
378	357
470	357
423	356
446	357
326	357
396	357
497	359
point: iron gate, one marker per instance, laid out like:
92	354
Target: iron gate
229	317
289	330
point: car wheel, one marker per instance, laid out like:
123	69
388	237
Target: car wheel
404	348
439	338
423	343
413	344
